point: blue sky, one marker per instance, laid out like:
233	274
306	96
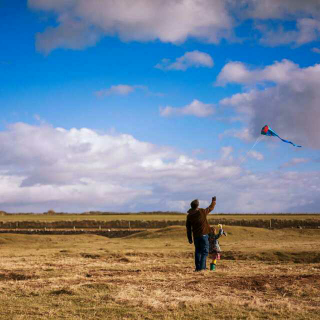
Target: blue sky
118	107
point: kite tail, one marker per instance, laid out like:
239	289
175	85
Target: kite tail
295	145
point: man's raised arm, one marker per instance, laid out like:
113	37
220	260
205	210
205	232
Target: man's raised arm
212	205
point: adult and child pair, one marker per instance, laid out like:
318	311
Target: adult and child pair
205	238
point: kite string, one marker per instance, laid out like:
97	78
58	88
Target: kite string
261	137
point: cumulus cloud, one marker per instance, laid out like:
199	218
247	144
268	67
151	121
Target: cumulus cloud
226	153
189	59
287	99
82	23
270	15
120	89
238	72
256	155
275	9
242	134
70	34
82	168
252	185
125	89
294	162
42	167
307	30
195	108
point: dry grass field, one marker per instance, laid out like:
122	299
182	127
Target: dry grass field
148	217
263	274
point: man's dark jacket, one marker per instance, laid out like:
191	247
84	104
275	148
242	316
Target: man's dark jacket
197	223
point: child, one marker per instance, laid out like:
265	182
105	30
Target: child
214	247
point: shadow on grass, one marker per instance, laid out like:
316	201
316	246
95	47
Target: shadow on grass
276	256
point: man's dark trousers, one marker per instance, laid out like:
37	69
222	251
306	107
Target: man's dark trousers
202	250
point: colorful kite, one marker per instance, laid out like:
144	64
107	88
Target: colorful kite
267	131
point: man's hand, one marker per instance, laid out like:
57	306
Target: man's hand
214	198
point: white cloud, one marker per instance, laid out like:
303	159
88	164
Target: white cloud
226	153
70	34
266	9
294	162
290	105
120	89
238	72
82	168
256	155
43	168
307	30
189	59
305	14
82	23
233	72
124	90
316	50
195	108
243	134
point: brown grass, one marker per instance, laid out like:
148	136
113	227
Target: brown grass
150	276
149	217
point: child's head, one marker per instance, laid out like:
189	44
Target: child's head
213	230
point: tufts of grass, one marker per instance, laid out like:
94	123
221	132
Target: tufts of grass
150	276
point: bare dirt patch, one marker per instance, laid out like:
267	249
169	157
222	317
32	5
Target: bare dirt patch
278	256
61	291
16	276
271	282
90	256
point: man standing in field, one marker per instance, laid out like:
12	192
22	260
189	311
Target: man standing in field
198	226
